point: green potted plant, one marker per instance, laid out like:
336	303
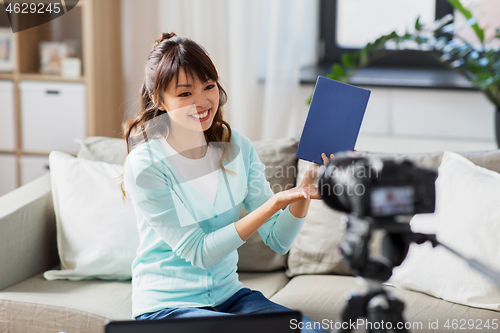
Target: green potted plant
480	65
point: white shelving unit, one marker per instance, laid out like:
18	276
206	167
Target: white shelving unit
41	113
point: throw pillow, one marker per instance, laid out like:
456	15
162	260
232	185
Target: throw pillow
281	169
314	251
467	218
97	235
103	149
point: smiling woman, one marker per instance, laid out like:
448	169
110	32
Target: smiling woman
180	80
188	174
191	106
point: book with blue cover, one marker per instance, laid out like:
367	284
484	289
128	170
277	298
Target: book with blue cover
333	121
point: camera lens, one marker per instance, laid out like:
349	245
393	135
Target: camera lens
333	183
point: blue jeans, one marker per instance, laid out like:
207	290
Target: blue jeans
243	301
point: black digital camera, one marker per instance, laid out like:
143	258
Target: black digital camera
374	187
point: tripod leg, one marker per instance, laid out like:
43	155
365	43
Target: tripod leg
377	312
385	314
356	309
398	319
353	310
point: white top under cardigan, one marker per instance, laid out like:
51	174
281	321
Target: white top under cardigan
206	184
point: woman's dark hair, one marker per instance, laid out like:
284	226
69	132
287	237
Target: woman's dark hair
171	53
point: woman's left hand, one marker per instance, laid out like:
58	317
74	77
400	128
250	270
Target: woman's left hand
310	178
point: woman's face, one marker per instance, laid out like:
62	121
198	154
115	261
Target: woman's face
191	104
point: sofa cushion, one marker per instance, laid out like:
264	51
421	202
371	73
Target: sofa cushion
38	305
268	283
314	251
96	228
323	297
467	219
486	159
316	296
103	149
279	158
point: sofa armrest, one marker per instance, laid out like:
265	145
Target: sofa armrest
27	232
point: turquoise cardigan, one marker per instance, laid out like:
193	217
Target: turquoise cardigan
187	254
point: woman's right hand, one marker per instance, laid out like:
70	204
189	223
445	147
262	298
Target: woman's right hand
284	198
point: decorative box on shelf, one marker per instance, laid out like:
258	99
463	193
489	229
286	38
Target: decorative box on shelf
53	114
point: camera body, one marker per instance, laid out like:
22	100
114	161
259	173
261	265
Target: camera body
375	187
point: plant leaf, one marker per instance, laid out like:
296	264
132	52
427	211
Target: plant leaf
418	25
308	102
468	15
338	73
363	57
458	6
348	60
368	47
496	65
483	79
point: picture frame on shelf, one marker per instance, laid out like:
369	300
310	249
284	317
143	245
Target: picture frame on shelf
52	55
7	50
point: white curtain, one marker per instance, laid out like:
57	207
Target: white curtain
258	47
139	31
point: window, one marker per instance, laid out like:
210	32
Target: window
347	25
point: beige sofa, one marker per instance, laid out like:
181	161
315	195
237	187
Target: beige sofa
310	278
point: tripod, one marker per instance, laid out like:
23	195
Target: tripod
383	312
